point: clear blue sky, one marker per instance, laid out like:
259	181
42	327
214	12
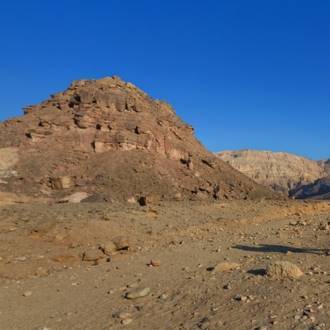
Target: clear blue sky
246	74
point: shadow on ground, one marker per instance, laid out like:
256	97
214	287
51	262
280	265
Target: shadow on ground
266	248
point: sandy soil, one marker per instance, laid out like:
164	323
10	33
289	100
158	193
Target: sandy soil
46	284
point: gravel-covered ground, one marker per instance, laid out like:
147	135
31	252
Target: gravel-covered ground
197	266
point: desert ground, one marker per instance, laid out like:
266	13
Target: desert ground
172	265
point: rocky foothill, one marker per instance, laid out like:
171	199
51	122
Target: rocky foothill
109	140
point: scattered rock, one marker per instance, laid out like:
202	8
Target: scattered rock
224	267
154	263
138	293
64	182
163	296
109	248
283	269
21	258
239	297
121	243
75	198
131	200
143	201
204	323
92	255
126	321
124	315
27	294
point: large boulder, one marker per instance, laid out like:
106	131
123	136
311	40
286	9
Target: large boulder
283	269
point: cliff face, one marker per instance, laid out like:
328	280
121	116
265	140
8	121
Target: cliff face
111	140
319	189
277	170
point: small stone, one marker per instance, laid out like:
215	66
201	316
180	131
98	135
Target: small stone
27	294
124	315
92	255
138	293
154	263
75	198
239	297
126	321
131	200
204	323
21	259
133	284
121	243
109	248
143	201
225	267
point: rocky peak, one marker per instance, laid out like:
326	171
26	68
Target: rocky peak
108	137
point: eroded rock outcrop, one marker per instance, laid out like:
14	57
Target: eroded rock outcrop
108	138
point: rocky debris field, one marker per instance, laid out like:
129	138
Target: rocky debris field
170	265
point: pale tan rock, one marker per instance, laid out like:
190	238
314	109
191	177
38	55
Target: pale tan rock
131	200
226	267
27	294
8	159
155	263
64	182
75	198
92	255
138	293
121	243
283	269
124	315
109	248
126	321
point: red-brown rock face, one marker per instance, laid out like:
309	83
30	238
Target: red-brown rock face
108	138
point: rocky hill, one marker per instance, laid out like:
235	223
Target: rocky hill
108	140
278	170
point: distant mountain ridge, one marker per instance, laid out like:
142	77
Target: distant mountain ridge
279	170
293	175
